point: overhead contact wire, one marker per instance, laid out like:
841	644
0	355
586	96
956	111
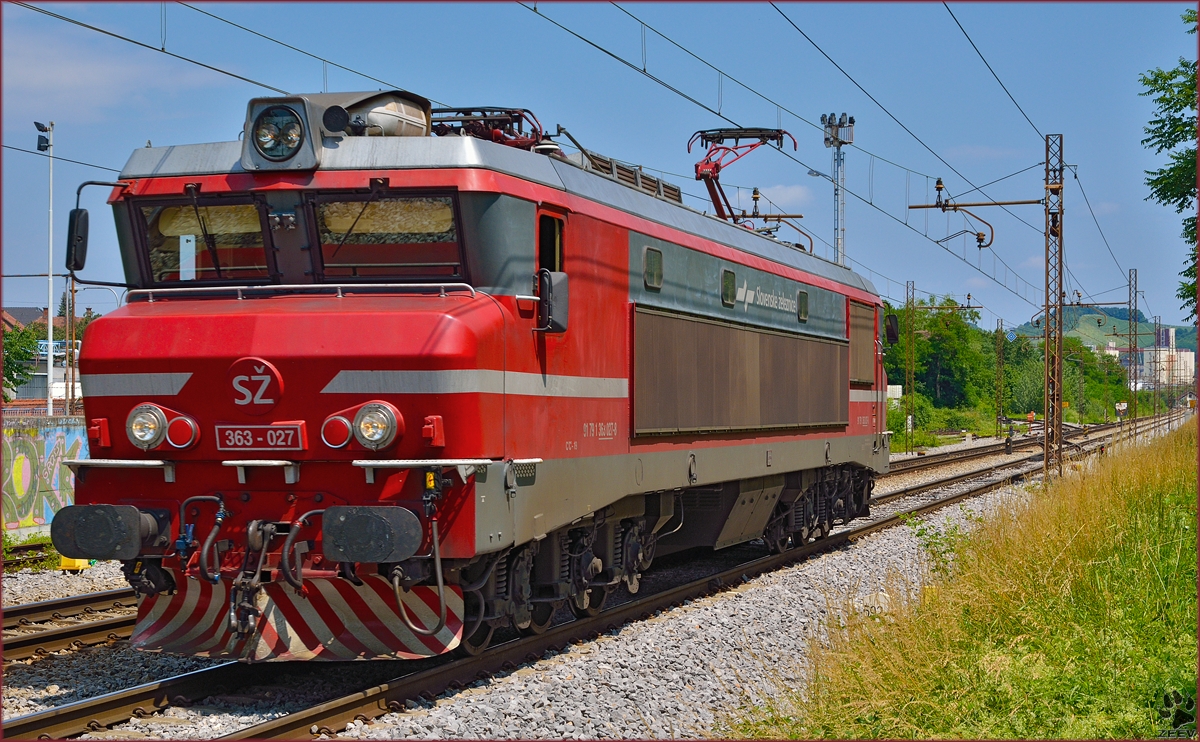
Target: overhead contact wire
985	64
1079	182
60	159
1040	136
898	121
152	48
711	110
297	49
750	89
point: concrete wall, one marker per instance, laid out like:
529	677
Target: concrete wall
35	483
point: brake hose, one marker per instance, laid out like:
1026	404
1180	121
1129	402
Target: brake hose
285	559
437	568
209	543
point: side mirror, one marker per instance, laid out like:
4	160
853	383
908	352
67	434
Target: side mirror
77	237
891	327
553	301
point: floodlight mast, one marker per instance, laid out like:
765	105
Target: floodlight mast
838	132
46	144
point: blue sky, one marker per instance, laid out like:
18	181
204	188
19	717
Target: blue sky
1073	67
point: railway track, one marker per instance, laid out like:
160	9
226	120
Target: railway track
977	452
90	631
326	718
24	555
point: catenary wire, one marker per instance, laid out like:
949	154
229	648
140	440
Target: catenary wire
893	118
296	49
763	96
985	63
1040	136
1075	171
59	159
135	42
1006	177
813	234
795	159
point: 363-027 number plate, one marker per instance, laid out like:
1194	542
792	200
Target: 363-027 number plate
276	437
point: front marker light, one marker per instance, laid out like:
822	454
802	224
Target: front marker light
146	426
376	425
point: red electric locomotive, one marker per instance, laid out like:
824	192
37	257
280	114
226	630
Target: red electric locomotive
389	377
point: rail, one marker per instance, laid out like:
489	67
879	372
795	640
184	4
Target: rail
96	713
991	449
26	614
86	633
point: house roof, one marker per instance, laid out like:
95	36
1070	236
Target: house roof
25	315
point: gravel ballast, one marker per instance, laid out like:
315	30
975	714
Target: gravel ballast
672	675
28	586
65	677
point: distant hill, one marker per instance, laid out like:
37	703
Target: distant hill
1084	323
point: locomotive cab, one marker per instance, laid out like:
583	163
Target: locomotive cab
389	377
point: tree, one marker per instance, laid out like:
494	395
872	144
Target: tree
62	305
1173	130
81	324
20	348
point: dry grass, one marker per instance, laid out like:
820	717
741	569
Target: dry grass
1068	615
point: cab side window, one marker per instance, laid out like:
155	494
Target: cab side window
550	243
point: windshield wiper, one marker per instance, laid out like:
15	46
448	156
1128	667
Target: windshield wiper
209	241
376	191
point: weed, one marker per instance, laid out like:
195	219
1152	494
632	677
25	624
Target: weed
939	544
1068	613
50	559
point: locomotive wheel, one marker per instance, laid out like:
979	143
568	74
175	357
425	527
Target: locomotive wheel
822	530
590	603
543	616
474	645
776	538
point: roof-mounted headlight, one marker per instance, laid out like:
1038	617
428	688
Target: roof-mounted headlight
278	133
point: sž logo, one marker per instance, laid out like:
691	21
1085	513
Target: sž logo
256	385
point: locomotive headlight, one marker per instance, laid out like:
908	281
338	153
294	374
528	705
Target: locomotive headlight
278	133
375	426
146	426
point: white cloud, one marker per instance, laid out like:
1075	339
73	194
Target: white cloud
788	196
1107	207
1033	261
88	79
977	282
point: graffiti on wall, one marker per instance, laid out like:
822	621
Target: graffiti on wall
36	485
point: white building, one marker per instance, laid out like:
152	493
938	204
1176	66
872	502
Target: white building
1158	366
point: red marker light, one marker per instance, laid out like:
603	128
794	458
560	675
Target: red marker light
182	432
335	432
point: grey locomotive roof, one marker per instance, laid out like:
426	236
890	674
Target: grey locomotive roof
379	153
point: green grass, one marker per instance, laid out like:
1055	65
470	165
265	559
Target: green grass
51	560
1068	616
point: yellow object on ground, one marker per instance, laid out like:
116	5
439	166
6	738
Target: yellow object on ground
74	565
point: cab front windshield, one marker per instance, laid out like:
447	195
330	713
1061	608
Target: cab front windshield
212	242
376	237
